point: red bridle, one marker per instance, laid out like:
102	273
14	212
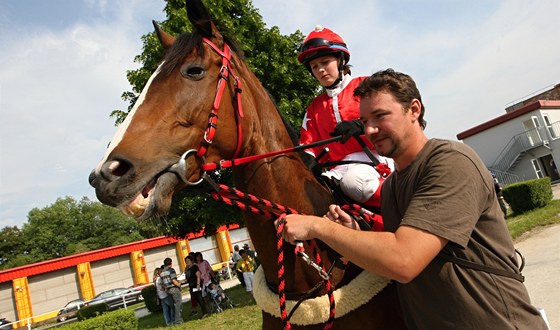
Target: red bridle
225	71
213	116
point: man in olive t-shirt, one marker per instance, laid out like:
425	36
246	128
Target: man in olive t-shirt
446	244
447	191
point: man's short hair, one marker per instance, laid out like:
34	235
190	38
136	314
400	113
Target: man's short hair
400	85
167	261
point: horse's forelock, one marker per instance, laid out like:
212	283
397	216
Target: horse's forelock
184	45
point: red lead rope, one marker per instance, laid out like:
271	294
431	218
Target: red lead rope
299	250
247	202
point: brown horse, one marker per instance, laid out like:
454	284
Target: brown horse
173	130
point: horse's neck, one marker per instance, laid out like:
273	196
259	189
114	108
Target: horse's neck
282	179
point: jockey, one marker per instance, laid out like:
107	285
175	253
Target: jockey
325	55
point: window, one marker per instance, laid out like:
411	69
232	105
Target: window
550	127
531	131
537	168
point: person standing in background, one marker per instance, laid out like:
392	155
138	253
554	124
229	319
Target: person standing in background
246	266
165	300
236	257
173	288
194	278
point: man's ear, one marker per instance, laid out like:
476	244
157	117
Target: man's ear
415	108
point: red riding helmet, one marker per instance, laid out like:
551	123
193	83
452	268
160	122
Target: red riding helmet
322	42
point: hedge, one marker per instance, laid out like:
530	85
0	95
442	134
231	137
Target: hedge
528	195
151	299
88	312
118	320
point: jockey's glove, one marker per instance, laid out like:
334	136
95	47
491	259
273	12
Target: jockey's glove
348	129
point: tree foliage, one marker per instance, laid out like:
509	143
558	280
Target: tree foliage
68	227
272	57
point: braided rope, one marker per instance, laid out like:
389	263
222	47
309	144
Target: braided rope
225	195
281	279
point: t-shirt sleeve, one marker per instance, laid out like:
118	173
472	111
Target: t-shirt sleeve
172	273
449	198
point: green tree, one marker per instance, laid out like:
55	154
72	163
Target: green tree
272	57
12	244
68	227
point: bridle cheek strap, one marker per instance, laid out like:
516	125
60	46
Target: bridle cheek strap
225	71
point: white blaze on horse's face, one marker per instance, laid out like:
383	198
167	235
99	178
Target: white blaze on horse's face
124	125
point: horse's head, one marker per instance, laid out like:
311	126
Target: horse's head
172	129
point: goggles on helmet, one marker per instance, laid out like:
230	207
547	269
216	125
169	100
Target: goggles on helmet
322	43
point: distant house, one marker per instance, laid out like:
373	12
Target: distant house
523	143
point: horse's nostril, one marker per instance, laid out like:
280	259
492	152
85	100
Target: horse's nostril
113	170
92	178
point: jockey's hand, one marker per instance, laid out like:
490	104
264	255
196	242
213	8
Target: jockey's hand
339	216
348	129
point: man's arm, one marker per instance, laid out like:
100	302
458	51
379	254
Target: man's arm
400	256
176	283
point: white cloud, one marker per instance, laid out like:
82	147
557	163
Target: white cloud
57	89
58	86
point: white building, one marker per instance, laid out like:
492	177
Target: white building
523	143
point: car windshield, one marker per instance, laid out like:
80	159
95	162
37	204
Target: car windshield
74	303
121	291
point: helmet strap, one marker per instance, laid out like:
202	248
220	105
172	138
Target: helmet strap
340	72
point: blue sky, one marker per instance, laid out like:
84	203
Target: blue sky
63	69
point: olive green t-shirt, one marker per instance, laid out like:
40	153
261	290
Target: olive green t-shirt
448	191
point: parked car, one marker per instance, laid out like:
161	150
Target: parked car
5	324
140	286
116	298
70	310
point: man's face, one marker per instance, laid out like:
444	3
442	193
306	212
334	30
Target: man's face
386	123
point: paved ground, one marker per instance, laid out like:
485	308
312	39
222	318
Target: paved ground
542	271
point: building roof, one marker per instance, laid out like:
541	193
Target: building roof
76	259
540	104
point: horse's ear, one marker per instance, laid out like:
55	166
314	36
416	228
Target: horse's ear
165	38
200	19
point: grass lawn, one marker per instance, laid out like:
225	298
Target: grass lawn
521	225
248	316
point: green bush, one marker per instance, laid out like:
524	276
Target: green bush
151	299
118	320
87	312
528	195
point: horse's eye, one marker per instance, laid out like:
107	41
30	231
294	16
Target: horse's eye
193	72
